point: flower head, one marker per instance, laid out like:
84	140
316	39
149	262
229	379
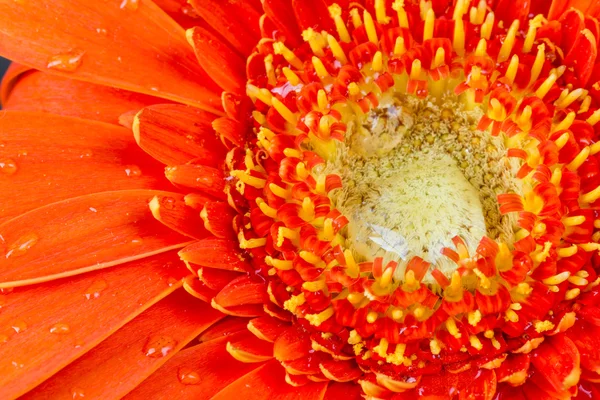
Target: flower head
386	199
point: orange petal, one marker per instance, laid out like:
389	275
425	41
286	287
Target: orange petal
227	326
131	45
216	279
236	21
218	219
69	317
38	91
250	349
200	177
346	391
242	291
268	382
341	371
82	234
291	345
10	78
172	211
57	158
176	134
215	253
173	322
224	65
267	328
180	11
209	361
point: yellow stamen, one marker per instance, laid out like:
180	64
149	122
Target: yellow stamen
291	76
512	316
592	196
536	69
353	89
590	246
578	281
372	317
549	82
429	22
458	40
283	265
320	68
399	47
380	14
534	24
370	27
487	26
566	101
289	152
543	326
279	191
474	317
475	342
439	59
579	159
434	346
315	286
265	208
557	279
285	112
290	56
594	118
562	140
322	100
566	122
452	328
336	49
573	221
567	251
261	94
509	41
398	6
249	179
481	49
511	71
377	64
318	319
572	293
356	21
415	72
286	233
335	11
315	41
250	243
595	148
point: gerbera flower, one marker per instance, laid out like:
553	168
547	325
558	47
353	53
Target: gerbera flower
380	199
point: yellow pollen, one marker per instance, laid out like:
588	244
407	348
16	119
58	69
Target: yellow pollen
419	312
380	13
567	251
337	50
291	76
315	41
410	282
328	233
354	337
579	159
585	105
370	27
592	196
290	56
320	68
283	265
249	179
534	25
511	71
459	10
377	64
572	293
524	289
250	243
398	6
382	348
284	111
556	177
489	334
487	26
484	281
543	326
372	317
286	233
434	346
557	279
399	47
475	342
322	100
397	315
538	63
524	120
573	221
270	69
356	21
583	274
294	302
318	319
516	306
265	208
452	328
511	315
259	117
429	24
335	11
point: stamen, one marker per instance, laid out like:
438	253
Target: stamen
370	27
335	11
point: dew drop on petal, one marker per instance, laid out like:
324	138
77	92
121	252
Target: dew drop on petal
60	329
77	393
93	292
190	11
86	153
102	31
67	62
188	376
17	364
137	240
168	202
22	245
8	166
130	4
6	290
159	346
2	302
19	326
133	170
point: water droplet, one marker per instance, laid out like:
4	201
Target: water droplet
159	346
3	338
60	329
168	202
154	89
92	209
67	62
2	302
95	289
22	153
102	31
188	376
86	154
19	326
189	11
137	240
21	245
6	290
130	4
17	364
77	393
133	170
8	166
171	280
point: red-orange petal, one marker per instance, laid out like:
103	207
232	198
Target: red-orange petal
82	234
171	210
209	361
242	291
227	326
199	177
268	382
346	391
48	326
236	21
222	63
250	349
267	328
291	345
57	158
10	78
147	342
88	41
176	134
39	91
215	253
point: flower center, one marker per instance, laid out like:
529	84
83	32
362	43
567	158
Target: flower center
415	175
